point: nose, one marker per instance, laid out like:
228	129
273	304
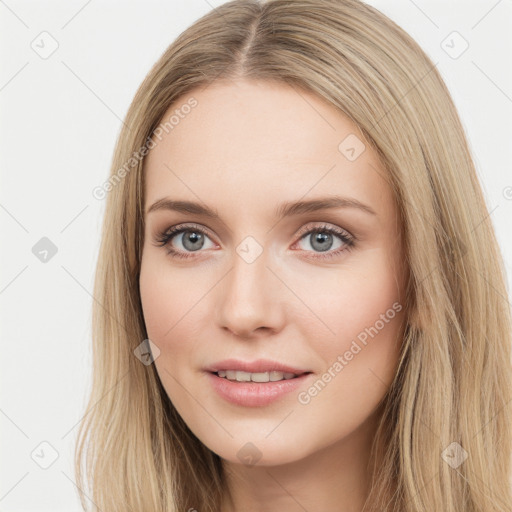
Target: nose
251	299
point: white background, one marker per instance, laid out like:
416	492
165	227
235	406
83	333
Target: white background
60	118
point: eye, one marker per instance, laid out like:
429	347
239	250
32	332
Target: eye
322	239
190	237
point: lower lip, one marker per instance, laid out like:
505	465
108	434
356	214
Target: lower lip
254	394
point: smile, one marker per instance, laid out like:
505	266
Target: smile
241	376
255	389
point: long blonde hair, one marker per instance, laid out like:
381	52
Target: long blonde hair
451	398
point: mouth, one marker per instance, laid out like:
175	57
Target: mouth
258	370
260	377
255	384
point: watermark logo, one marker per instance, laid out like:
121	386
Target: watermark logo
249	249
45	45
44	250
44	455
351	147
249	454
147	352
454	455
454	45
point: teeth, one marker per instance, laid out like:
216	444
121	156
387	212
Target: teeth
241	376
273	376
259	377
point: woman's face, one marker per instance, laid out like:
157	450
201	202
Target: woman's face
290	254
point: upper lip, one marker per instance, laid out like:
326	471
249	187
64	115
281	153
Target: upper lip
256	366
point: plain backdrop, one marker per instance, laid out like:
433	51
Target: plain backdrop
60	117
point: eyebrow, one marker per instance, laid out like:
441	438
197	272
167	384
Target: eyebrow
284	210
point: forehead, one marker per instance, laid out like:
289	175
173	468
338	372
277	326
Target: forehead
261	142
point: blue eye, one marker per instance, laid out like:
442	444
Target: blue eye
193	240
321	239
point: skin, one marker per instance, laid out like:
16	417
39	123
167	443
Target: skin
244	149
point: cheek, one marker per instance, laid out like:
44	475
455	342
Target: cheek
360	361
363	311
175	308
353	299
167	297
163	306
169	318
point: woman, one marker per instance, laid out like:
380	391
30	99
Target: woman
300	297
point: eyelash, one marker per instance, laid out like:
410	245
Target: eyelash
163	238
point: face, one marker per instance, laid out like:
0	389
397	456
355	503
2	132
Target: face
287	262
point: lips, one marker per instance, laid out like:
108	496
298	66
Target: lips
241	376
256	366
255	383
256	394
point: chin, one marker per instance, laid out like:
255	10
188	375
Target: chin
261	452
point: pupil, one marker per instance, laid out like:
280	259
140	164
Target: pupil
193	240
324	241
